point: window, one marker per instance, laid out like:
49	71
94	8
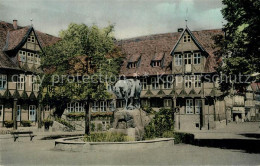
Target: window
167	103
32	112
20	82
186	38
132	65
22	56
197	58
188	81
156	63
155	83
70	107
102	106
120	103
35	84
75	107
189	106
156	102
198	106
3	81
95	106
78	107
178	60
197	81
36	59
187	58
30	57
144	83
167	82
31	39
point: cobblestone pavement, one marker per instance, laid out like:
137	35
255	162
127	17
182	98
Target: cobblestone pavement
41	152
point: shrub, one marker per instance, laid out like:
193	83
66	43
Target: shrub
168	134
183	138
47	123
76	115
99	127
148	109
92	127
26	123
9	123
163	121
107	137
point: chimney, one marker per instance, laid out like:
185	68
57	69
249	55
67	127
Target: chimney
180	29
15	24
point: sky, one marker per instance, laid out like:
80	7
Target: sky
131	18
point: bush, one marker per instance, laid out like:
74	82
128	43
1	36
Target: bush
183	138
26	123
107	137
99	127
9	123
76	115
168	134
92	126
148	109
47	123
162	122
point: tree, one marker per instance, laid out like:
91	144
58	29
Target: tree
77	67
240	46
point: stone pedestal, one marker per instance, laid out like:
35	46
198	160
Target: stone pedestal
131	122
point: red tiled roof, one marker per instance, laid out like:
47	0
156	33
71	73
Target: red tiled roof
147	46
154	47
134	58
158	56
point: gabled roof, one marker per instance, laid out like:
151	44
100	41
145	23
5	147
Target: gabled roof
192	37
11	39
163	43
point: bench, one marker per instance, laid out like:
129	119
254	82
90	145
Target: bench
17	134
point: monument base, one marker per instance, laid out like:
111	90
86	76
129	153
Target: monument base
131	122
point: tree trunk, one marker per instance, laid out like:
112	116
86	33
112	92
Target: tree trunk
87	118
15	115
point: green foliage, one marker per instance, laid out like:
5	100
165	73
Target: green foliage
163	122
99	127
26	123
76	115
168	134
240	48
107	137
65	123
47	123
9	123
183	138
96	45
92	126
148	109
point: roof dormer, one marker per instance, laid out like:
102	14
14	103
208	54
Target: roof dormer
134	61
157	60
